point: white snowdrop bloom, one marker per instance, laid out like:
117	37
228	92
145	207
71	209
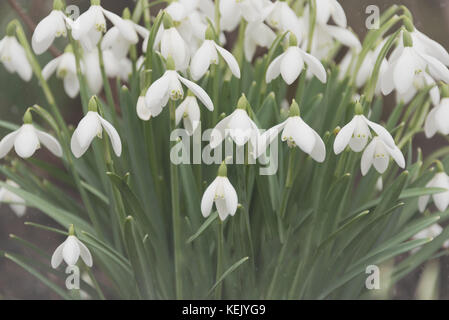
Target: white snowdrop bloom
13	57
208	54
16	203
90	25
143	112
222	193
325	9
230	15
169	87
115	41
431	232
378	153
92	70
357	133
190	22
70	251
405	63
27	139
91	126
441	200
189	112
296	133
51	27
281	17
238	126
437	119
257	34
65	68
291	63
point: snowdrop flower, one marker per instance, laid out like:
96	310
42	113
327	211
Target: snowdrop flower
231	12
189	112
325	9
437	119
115	41
208	54
257	34
52	26
431	232
169	87
91	126
296	133
406	63
65	68
280	16
13	56
441	200
173	45
89	26
291	63
27	139
238	125
357	132
16	203
70	251
378	153
222	193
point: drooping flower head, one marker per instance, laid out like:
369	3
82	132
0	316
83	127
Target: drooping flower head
222	193
16	203
70	251
441	199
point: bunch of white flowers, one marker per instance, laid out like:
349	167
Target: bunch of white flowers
151	223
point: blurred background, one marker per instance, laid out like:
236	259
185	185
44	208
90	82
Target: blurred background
431	17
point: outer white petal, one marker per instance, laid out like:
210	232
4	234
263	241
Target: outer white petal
85	253
344	36
344	136
319	149
26	142
71	85
230	60
56	258
20	62
397	156
436	68
404	71
274	69
422	203
198	92
84	24
143	111
7	143
71	251
126	27
441	199
44	34
113	136
303	136
50	143
157	95
368	157
338	14
381	132
430	126
230	196
292	65
202	59
208	199
434	48
51	67
315	66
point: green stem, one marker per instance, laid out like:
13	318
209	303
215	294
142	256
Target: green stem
218	289
176	216
215	91
312	23
95	283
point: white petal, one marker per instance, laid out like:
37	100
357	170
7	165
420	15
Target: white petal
397	156
292	64
338	14
26	142
404	71
422	203
319	149
157	95
50	143
143	111
315	66
430	126
56	258
230	60
85	254
84	24
344	136
441	117
44	34
219	132
113	136
198	92
7	143
51	67
88	128
202	59
274	69
208	199
126	27
381	132
71	251
230	196
344	36
368	157
301	134
436	68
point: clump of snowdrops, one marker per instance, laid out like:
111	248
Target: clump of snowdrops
350	189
